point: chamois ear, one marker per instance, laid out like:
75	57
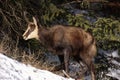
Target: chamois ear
34	21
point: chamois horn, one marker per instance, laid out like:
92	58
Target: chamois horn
25	17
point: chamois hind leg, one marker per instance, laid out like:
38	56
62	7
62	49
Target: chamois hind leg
88	60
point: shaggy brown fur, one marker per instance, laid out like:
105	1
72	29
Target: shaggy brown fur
69	41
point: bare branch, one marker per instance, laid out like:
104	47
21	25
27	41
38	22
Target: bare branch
66	74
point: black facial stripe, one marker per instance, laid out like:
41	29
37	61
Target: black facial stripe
28	32
32	27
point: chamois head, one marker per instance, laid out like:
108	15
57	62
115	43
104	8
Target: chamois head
32	30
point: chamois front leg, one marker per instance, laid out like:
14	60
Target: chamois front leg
61	58
61	66
66	58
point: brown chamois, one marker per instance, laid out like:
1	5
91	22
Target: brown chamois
65	41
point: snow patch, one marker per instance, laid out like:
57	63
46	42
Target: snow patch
13	70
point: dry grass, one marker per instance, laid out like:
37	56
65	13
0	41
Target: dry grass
11	49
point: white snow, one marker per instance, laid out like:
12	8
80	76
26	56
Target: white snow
13	70
114	73
115	54
110	56
115	62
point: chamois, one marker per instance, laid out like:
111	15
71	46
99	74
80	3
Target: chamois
65	41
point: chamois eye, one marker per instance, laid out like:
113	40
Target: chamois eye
32	27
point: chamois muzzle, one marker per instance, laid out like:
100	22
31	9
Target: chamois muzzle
24	36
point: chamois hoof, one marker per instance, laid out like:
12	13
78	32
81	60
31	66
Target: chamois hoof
58	68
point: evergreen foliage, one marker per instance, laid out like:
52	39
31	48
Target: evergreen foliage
50	12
